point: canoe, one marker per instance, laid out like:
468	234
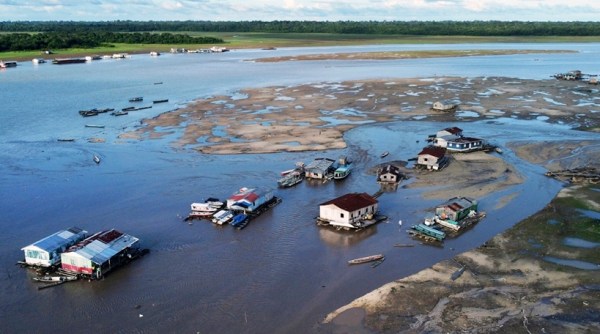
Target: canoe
366	259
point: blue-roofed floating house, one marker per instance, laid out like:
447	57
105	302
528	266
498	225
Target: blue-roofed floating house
100	253
46	252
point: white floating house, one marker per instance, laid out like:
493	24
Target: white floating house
446	106
432	157
249	199
349	210
453	140
46	252
100	253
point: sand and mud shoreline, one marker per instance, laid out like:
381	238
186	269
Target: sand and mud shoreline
506	283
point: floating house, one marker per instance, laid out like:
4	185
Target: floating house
446	106
349	211
390	174
249	199
433	158
46	252
320	168
456	208
453	140
100	253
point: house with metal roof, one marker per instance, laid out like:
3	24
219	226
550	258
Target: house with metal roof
389	174
249	199
320	168
349	210
433	157
100	253
456	208
46	252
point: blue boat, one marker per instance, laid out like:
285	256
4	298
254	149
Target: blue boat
238	220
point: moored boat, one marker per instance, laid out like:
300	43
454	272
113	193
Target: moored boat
342	172
96	159
94	126
366	259
160	101
136	99
7	64
238	219
385	154
62	61
222	217
55	279
290	179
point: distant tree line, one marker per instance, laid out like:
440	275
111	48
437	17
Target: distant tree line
448	28
64	39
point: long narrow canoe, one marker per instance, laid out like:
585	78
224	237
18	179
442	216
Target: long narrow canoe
366	259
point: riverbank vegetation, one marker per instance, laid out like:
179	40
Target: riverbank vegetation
420	28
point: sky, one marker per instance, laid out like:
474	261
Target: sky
317	10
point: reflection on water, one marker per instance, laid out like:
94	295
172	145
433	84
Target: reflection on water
343	238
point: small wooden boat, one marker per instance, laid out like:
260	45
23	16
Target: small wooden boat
119	113
54	279
366	259
160	101
385	154
96	159
66	139
94	126
136	99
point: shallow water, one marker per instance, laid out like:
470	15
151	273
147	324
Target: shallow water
280	274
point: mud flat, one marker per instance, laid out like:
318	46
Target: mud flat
539	276
315	116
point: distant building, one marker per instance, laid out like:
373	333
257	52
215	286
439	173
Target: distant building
456	208
389	174
432	157
100	253
446	106
46	252
348	210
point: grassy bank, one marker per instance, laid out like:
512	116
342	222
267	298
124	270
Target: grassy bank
276	40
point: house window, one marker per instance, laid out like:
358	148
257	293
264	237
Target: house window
342	215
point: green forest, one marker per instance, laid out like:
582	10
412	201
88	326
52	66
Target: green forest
63	40
40	35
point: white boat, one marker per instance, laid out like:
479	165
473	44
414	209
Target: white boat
385	154
204	208
222	217
38	60
96	159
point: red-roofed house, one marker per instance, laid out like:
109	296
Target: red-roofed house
433	157
248	199
348	210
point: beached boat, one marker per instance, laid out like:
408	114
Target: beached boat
136	99
385	154
96	159
222	217
366	259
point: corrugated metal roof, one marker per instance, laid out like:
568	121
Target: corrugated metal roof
353	201
99	252
435	151
59	239
321	164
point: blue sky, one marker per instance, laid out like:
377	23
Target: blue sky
320	10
